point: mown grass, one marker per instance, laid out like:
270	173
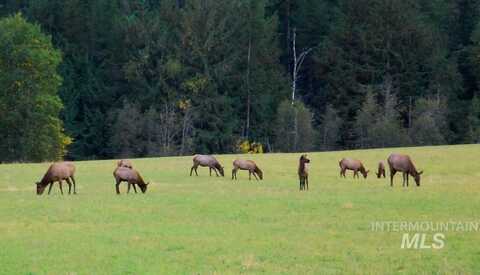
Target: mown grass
206	225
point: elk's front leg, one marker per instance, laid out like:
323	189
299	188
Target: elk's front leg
50	187
74	185
117	187
69	185
134	188
392	173
61	189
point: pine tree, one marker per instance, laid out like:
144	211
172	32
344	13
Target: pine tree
329	134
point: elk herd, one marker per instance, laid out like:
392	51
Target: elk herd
124	172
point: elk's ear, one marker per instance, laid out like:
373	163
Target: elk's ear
367	171
37	183
147	183
421	172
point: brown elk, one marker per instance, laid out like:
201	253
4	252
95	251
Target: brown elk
381	170
352	164
58	171
131	176
125	163
403	163
303	172
251	166
206	161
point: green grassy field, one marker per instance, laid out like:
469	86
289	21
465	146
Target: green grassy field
207	225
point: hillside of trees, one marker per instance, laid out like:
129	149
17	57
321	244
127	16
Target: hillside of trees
135	78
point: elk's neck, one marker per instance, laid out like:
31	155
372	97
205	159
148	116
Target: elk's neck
46	178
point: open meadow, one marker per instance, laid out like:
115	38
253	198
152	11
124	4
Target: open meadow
206	225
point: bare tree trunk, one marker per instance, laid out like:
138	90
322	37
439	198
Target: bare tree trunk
409	113
294	71
297	62
295	129
247	130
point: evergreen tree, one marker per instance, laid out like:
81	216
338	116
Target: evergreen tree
329	134
474	121
429	125
294	131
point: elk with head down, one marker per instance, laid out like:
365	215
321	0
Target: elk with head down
250	165
352	164
403	163
381	170
303	172
206	161
58	171
131	176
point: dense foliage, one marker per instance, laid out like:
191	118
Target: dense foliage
29	103
171	77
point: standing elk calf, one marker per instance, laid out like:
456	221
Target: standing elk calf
303	172
381	170
206	161
403	163
125	163
251	166
352	164
131	176
58	171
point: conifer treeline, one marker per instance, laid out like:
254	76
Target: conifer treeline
170	77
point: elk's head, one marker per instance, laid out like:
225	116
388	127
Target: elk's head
40	188
220	169
304	159
143	187
417	177
365	173
259	172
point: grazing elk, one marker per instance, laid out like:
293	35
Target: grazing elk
251	166
403	163
381	170
125	163
303	172
131	176
58	171
352	164
206	161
